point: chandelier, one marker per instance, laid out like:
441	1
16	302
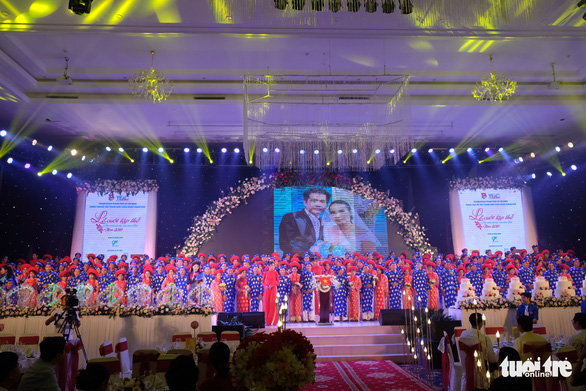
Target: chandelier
495	87
151	84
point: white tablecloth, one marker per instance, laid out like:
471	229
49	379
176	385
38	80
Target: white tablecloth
141	333
557	321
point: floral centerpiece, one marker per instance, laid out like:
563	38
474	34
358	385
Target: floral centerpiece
279	361
132	385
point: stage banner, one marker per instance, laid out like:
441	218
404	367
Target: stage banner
115	224
492	219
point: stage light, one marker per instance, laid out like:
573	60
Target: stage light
265	149
452	150
549	173
73	152
316	152
186	150
3	133
558	149
520	159
199	150
121	150
9	160
27	166
354	150
573	167
353	5
224	150
80	7
161	150
430	150
54	172
392	151
532	154
533	176
317	5
335	5
236	150
414	150
302	152
370	6
501	149
172	161
34	142
388	6
563	174
570	145
297	5
377	151
469	149
340	152
107	149
50	148
281	4
39	173
69	175
277	150
487	149
406	6
145	149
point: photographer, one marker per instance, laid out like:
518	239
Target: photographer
67	312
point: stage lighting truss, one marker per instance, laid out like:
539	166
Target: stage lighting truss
80	7
281	4
353	5
370	6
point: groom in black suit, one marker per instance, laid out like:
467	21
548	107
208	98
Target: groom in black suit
298	231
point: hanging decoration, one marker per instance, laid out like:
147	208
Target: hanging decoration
495	87
487	182
123	186
151	84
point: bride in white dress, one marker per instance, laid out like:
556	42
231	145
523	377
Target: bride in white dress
343	227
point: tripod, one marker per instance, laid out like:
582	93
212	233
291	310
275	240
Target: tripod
69	326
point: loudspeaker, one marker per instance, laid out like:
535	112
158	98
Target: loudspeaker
226	317
394	317
256	320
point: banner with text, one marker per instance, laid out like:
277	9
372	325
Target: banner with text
492	219
115	224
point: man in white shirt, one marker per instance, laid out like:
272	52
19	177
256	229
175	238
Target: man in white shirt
473	336
41	375
9	371
579	339
525	326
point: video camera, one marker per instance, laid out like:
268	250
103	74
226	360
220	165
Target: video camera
71	300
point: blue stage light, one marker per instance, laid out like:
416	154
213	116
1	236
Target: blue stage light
199	150
573	167
69	175
54	172
302	152
3	133
161	150
50	148
9	160
224	150
414	150
186	150
27	166
145	149
354	150
340	152
377	151
277	150
265	150
236	150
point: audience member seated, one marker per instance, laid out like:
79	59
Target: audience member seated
528	309
579	374
9	371
474	335
182	374
41	375
509	383
525	326
220	359
94	378
579	339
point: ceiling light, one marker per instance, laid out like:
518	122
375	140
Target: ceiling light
452	150
388	6
533	176
199	150
317	5
414	150
151	84
145	149
573	167
297	5
107	149
236	150
377	151
354	150
65	80
469	149
532	154
280	4
172	161
494	87
9	160
3	133
54	172
501	149
302	152
83	158
73	152
570	145
186	150
487	149
558	149
340	152
161	150
549	173
80	7
316	152
406	6
277	150
69	175
430	150
520	159
353	5
392	151
121	150
335	5
50	148
39	173
370	6
224	150
27	166
34	142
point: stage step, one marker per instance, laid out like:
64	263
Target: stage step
366	349
356	339
397	358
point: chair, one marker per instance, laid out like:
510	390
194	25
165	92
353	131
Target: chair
7	339
468	365
541	350
106	349
179	339
206	370
454	375
28	340
491	332
516	332
112	363
144	361
207	339
231	338
539	330
164	361
181	352
121	350
457	333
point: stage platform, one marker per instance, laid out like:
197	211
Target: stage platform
353	341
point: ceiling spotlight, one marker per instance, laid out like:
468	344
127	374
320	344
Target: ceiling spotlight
501	149
236	150
353	5
69	175
54	172
370	6
265	149
73	152
39	173
414	150
520	159
392	151
9	160
171	161
377	151
224	150
145	149
34	142
297	5
277	150
354	150
83	158
3	133
27	166
558	149
50	148
199	150
107	149
388	6
121	150
316	152
340	152
406	6
335	5
487	149
80	7
532	154
186	150
549	173
161	150
317	5
302	152
430	150
469	149
573	167
280	4
452	150
533	176
570	145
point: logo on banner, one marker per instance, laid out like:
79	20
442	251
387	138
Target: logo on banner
110	197
495	196
483	196
536	369
114	243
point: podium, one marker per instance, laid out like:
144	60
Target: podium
324	308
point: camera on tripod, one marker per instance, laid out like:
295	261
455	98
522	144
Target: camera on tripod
71	300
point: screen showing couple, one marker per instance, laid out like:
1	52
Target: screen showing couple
327	220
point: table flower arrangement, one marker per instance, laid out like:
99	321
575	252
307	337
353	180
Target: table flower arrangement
279	361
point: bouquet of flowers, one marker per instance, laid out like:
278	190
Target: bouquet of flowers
132	385
247	290
223	286
407	285
278	361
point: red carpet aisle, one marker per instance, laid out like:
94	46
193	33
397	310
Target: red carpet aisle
364	376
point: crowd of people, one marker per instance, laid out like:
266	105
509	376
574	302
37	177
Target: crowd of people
363	284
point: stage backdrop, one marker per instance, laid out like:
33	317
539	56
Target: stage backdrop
494	219
115	224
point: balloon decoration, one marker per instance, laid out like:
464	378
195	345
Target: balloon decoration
84	294
171	295
2	296
111	296
140	295
50	296
21	295
199	294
